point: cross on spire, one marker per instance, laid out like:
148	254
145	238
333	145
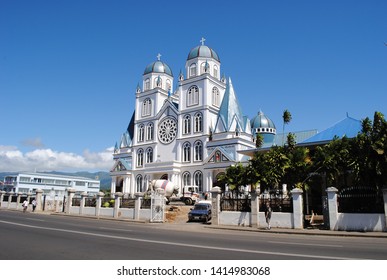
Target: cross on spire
202	41
158	57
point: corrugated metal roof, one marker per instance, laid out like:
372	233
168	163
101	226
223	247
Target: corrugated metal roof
348	127
301	136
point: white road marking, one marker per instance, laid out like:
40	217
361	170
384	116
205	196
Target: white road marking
181	244
306	244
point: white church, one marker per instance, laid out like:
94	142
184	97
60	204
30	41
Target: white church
188	135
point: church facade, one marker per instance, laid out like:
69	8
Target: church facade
188	135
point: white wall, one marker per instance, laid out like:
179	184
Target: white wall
360	222
233	218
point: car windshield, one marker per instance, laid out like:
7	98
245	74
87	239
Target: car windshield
200	207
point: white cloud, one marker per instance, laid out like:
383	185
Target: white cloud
12	159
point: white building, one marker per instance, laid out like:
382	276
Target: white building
188	135
50	184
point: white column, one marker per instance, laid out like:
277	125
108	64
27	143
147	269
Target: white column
385	207
117	203
38	199
70	195
298	215
113	185
215	194
2	193
332	207
83	200
126	186
255	208
100	195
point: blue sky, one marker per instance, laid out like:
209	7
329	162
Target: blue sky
69	69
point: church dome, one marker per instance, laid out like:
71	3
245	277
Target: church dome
262	123
158	67
203	51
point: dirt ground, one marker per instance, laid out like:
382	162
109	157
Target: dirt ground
177	214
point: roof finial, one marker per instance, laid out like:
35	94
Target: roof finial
202	41
158	56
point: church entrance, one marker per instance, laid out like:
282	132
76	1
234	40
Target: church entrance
119	184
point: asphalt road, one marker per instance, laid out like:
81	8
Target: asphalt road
33	236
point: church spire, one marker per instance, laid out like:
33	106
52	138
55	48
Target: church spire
230	114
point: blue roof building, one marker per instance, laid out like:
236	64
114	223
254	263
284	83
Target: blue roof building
348	127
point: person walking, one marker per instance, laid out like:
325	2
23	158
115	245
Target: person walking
33	205
25	205
268	212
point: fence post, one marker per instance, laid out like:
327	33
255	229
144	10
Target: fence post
69	204
255	207
137	205
117	202
19	194
10	199
83	200
2	193
332	207
38	199
298	212
215	194
100	195
385	207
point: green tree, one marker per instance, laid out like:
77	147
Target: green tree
235	177
258	140
275	164
286	117
336	160
371	151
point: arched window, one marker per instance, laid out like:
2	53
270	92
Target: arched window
187	124
198	122
193	96
139	183
198	151
192	70
205	68
218	156
198	180
145	183
168	85
146	107
140	157
141	133
158	82
186	152
186	179
215	71
149	155
149	132
215	96
147	84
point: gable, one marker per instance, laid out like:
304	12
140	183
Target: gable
219	154
122	165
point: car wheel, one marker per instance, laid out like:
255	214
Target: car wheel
188	201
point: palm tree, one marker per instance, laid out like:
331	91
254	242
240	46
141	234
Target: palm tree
286	117
259	141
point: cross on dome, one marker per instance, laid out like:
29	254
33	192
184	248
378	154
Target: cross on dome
158	56
202	41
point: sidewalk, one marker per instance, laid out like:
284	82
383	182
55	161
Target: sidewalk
307	231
